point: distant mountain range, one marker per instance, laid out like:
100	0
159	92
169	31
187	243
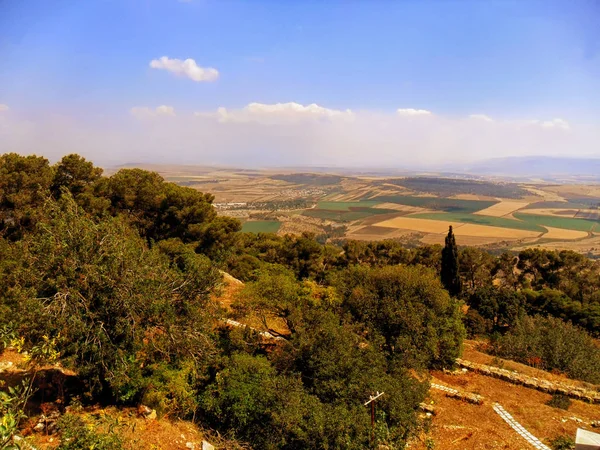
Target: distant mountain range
518	168
547	168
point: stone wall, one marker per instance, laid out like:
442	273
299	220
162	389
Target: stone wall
550	387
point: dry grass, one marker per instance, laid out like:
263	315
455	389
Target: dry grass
587	245
502	208
460	229
495	232
458	425
424	225
402	208
472	241
471	197
375	233
575	190
541	191
562	234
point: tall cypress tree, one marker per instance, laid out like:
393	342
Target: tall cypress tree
450	275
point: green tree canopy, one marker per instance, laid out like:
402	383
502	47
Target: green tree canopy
113	304
406	305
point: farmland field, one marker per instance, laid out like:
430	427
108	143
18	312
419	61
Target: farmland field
427	225
559	205
345	206
551	212
560	222
418	224
502	208
561	233
411	209
446	187
482	220
261	226
440	204
345	215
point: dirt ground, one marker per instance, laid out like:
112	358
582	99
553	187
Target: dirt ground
458	425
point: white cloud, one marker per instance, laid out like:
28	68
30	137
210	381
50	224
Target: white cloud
3	107
556	123
413	112
143	112
276	113
186	68
289	134
481	117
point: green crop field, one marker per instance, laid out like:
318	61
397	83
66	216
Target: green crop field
438	204
261	226
558	205
347	215
482	220
566	223
345	206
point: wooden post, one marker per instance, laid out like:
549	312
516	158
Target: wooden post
371	400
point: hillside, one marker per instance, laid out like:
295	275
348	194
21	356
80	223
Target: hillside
459	425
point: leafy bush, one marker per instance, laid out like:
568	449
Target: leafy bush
562	443
560	401
12	411
94	292
408	307
76	434
551	344
171	390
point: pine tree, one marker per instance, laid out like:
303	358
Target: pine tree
450	275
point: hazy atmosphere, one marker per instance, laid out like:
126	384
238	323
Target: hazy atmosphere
282	83
299	224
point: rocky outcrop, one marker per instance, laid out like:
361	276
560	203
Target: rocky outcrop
459	395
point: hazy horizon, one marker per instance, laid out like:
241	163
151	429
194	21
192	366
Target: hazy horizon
363	84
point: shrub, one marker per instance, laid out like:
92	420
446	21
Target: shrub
551	344
409	309
95	293
76	434
562	443
559	401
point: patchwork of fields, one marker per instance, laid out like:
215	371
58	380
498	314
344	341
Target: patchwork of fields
508	220
346	211
417	209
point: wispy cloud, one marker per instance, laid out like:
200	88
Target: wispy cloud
277	112
143	112
185	68
3	107
413	112
556	123
481	117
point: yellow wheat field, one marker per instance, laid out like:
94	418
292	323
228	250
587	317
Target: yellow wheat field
559	233
423	225
496	232
460	229
502	208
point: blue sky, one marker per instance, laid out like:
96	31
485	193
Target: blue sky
514	61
